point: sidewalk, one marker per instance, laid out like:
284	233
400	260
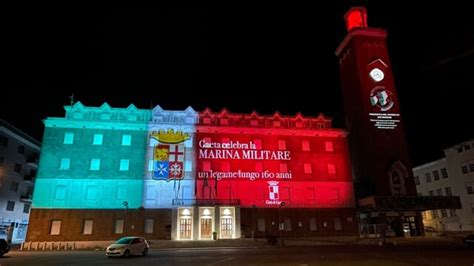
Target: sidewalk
288	242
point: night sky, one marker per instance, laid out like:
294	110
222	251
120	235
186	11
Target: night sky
265	58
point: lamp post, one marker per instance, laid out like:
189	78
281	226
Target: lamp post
280	224
125	203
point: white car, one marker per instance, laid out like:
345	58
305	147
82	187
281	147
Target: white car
127	246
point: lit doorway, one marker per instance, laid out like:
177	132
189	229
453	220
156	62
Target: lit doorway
185	224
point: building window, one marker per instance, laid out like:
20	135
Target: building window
307	168
226	166
428	177
423	215
283	167
337	224
150	165
431	193
95	165
467	147
321	126
68	138
464	168
26	208
87	227
206	166
471	166
14	186
224	121
305	144
207	120
65	163
444	173
282	145
439	191
452	212
444	213
21	149
472	208
124	164
436	175
126	140
313	225
261	223
329	146
118	227
3	141
448	191
417	180
10	205
287	224
148	226
55	227
17	168
469	190
331	169
258	144
188	166
435	214
98	139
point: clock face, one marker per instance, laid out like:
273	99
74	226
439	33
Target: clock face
376	74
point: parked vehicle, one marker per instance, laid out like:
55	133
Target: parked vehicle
127	246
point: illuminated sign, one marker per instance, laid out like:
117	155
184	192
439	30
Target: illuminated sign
237	150
273	194
381	99
168	155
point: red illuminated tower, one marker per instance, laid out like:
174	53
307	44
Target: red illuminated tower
385	188
379	152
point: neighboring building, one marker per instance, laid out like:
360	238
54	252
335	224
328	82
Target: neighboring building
451	175
187	176
18	163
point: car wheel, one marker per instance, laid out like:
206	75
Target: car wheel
126	254
145	252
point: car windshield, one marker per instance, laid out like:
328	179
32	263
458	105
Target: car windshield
124	240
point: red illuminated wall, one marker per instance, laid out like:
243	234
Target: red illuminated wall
327	184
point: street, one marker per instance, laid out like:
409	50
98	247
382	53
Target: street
316	255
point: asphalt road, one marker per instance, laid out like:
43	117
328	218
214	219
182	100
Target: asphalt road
318	255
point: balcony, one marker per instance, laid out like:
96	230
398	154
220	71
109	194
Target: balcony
32	160
26	198
206	202
29	177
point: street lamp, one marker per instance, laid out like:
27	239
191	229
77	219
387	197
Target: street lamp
125	203
280	224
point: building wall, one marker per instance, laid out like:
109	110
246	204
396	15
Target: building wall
455	182
160	193
103	228
313	176
16	184
78	185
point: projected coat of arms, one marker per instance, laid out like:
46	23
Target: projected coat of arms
168	155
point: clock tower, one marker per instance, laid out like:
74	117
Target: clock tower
385	188
379	152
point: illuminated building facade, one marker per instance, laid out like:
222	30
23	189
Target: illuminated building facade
106	172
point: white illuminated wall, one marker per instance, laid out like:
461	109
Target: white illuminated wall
160	193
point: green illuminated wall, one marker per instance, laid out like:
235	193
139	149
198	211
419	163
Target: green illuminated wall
79	186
